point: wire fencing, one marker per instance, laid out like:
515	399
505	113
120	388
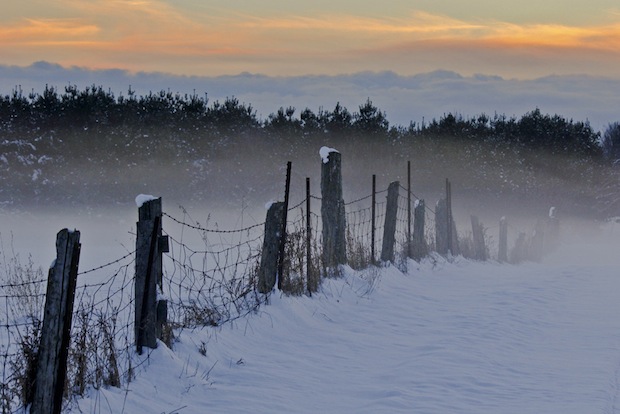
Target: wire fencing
101	332
210	274
209	277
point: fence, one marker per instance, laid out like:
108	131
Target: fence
188	274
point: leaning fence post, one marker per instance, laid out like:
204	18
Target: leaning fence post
150	244
332	209
56	330
445	233
419	248
373	223
271	246
502	255
409	239
389	229
284	224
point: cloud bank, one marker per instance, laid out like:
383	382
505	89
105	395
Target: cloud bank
405	99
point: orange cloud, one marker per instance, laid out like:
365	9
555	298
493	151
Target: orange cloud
159	35
597	37
47	30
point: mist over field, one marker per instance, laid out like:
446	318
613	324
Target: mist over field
86	150
77	158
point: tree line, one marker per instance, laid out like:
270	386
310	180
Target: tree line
77	144
95	109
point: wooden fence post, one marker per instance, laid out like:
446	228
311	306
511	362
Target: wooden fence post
271	246
419	248
332	210
441	227
150	244
477	231
312	277
373	223
389	229
444	232
409	238
56	330
502	255
449	216
287	190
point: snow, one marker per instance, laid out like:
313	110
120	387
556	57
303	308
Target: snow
324	153
441	337
143	198
552	212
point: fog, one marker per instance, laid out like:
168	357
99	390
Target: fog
231	188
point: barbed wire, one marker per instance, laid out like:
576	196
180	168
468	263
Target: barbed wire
15	285
301	203
103	266
197	227
418	198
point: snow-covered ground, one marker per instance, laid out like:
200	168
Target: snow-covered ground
443	337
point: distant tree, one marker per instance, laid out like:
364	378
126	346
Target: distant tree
283	123
611	143
370	121
339	120
313	124
232	117
556	134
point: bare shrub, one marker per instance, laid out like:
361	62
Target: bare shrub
23	295
358	253
24	365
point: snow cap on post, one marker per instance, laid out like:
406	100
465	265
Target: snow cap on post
143	198
324	153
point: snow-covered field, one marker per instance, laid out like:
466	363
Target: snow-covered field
442	337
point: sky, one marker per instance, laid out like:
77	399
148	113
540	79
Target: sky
525	41
280	37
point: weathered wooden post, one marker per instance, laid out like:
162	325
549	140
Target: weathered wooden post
441	227
56	330
477	231
269	261
332	210
444	232
373	222
502	254
312	277
409	238
150	244
419	248
389	228
287	190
